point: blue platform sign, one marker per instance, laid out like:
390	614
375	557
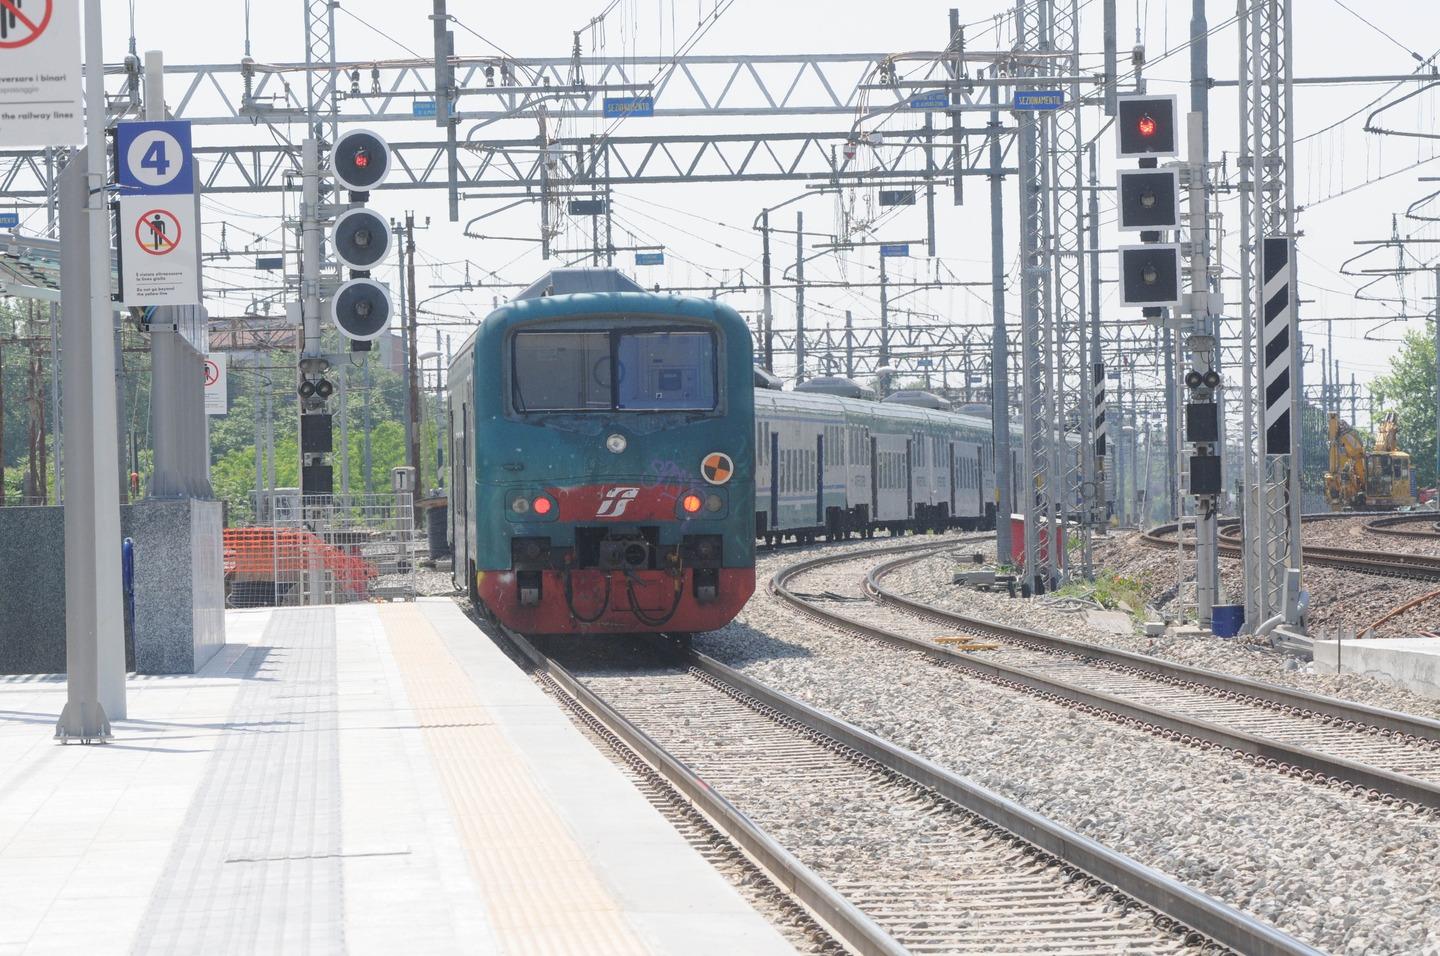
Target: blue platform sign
1038	99
649	258
9	220
423	109
930	100
154	158
895	250
620	106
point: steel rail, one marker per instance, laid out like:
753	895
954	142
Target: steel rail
1204	914
1286	698
826	904
1283	755
1167	896
1418	566
1396	525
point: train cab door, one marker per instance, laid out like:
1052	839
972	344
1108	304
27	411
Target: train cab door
774	480
820	479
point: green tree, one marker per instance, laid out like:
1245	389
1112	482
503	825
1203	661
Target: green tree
1408	389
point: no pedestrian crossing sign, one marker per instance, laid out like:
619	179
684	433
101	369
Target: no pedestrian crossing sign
217	371
40	73
160	258
159	231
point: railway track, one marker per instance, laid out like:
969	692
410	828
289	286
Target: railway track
1382	754
889	852
1419	567
1415	525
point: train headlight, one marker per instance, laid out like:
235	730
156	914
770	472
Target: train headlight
616	443
714	502
691	503
520	505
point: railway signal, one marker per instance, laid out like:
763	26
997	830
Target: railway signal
1150	276
1147	127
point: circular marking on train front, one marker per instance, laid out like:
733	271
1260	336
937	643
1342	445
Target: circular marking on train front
717	468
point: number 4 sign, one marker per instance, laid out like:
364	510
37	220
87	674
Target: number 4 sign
154	158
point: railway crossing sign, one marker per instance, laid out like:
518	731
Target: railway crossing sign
40	73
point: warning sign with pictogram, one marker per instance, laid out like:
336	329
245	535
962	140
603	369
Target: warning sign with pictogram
40	73
217	398
158	232
717	468
159	260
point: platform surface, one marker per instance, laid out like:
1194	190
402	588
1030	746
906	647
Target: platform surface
1409	662
355	779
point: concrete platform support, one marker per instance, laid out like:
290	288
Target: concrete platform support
1409	662
179	587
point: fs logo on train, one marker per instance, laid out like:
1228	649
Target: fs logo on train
616	500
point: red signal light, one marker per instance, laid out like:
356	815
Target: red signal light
691	503
362	158
1147	126
543	505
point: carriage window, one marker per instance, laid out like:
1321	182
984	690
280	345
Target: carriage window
659	370
562	371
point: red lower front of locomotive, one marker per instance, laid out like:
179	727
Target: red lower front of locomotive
595	601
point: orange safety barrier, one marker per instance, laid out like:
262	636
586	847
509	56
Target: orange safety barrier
271	553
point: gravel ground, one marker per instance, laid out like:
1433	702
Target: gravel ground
1348	876
929	581
1338	598
1351	533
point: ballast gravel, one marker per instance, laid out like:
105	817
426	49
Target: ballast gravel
1346	875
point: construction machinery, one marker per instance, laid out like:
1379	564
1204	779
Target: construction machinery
1360	480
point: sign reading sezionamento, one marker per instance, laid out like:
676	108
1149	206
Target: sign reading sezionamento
40	73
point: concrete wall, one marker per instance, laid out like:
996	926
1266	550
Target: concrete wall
179	587
1409	662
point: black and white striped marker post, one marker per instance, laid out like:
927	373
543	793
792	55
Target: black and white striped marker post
1279	373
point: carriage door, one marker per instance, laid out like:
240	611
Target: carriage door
820	479
953	512
909	477
774	479
874	479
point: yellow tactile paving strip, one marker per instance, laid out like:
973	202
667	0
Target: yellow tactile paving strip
543	896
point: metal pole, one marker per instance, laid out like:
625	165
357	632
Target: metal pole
411	351
799	296
849	344
57	429
1203	349
999	355
1112	58
344	430
768	332
1437	381
259	444
365	461
94	635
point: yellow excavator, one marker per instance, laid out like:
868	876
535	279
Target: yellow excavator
1379	480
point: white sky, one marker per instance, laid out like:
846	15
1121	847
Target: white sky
706	228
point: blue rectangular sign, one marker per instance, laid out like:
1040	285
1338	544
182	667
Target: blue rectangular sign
930	100
153	158
423	109
1038	99
618	106
649	258
895	250
9	220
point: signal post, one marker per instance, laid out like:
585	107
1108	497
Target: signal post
361	308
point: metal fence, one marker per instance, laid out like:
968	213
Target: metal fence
323	549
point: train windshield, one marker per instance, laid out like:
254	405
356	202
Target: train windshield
617	370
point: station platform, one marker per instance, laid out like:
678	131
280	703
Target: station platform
1409	662
353	779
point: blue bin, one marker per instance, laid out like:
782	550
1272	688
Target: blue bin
1227	619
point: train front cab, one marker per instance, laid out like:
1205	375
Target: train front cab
614	501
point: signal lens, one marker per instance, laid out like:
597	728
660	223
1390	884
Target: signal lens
714	503
543	506
362	156
1146	126
691	503
519	506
